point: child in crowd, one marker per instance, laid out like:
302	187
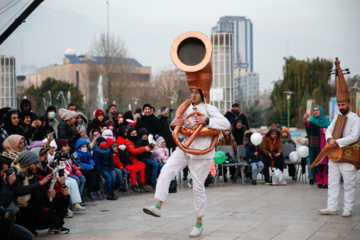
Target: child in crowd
147	157
134	151
161	152
253	158
271	151
286	139
71	183
92	176
118	166
94	134
130	166
226	138
105	164
98	122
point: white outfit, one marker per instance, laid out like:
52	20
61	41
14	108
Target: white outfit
73	190
351	134
199	165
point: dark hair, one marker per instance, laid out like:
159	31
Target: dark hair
112	105
138	110
235	105
152	108
71	105
3	162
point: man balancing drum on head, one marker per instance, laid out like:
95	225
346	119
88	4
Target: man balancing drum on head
196	154
343	149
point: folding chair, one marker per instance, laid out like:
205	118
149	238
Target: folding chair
227	149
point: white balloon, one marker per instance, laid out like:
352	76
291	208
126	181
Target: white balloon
256	138
303	151
294	156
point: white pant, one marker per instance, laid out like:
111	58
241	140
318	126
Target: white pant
348	172
199	171
73	190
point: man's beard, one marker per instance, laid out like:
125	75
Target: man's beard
344	111
29	173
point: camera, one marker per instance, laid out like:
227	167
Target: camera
60	155
19	175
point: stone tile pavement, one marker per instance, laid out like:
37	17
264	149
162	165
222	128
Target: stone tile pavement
234	211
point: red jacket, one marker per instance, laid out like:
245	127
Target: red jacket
117	162
133	152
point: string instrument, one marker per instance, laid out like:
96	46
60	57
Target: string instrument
349	154
191	53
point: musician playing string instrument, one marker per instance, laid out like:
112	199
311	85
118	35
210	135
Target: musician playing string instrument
350	135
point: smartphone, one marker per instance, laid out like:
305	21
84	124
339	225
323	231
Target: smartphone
50	136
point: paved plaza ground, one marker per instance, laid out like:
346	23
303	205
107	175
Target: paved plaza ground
234	211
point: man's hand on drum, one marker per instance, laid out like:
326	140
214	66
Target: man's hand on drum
177	121
200	119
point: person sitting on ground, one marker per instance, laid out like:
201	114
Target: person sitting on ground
271	150
147	157
253	157
286	139
118	166
130	166
71	183
36	212
92	177
134	152
161	152
13	146
105	164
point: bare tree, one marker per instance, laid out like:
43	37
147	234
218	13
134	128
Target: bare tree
109	60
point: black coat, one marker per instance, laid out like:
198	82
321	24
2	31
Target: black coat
233	117
124	158
143	143
67	132
238	135
151	123
166	133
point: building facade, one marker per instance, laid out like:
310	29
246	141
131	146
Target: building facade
242	32
7	82
221	92
246	88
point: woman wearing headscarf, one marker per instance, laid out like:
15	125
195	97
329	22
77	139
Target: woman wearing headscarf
315	129
13	146
11	123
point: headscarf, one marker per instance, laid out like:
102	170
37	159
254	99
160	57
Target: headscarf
11	143
320	121
9	127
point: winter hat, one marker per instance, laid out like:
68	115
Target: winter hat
121	141
99	140
159	141
235	105
99	112
24	102
146	105
50	108
66	114
285	130
109	123
163	108
128	115
80	142
82	115
107	134
52	143
35	144
61	143
143	131
247	134
278	126
110	142
28	157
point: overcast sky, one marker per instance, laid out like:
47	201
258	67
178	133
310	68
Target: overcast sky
301	28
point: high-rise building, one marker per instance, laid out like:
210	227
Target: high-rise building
221	92
242	31
7	82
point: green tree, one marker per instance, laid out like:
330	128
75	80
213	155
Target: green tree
307	80
254	115
54	92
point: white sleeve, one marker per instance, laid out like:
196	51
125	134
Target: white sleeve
354	134
217	120
330	129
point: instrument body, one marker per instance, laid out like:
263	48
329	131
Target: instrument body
191	53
